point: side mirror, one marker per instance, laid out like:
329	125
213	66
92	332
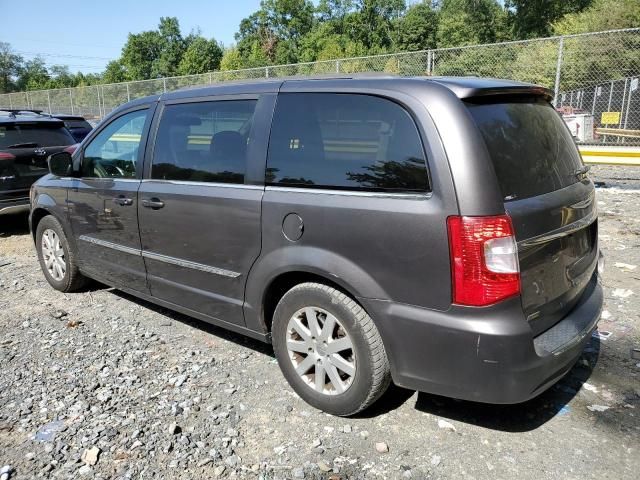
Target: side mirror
60	164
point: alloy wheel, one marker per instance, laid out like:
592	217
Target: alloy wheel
321	351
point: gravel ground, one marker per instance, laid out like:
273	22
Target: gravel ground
102	385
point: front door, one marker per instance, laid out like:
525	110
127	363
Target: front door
103	203
199	217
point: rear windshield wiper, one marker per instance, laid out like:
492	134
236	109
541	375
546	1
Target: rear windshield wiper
23	145
582	170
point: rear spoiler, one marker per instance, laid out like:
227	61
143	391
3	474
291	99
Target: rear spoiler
467	89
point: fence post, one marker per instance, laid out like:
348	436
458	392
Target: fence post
49	100
429	62
71	101
266	72
556	88
626	115
337	66
99	106
128	93
210	78
26	94
164	84
593	106
624	97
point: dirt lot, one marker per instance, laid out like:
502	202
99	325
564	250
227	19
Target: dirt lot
102	385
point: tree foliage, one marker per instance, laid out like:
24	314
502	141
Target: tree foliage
292	31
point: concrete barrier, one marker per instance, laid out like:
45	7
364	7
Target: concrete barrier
596	155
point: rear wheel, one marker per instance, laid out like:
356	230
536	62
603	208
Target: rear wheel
57	261
329	349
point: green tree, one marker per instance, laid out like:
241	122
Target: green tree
372	24
61	77
33	75
469	22
172	48
602	15
10	64
231	60
417	28
531	19
276	22
140	53
115	72
201	56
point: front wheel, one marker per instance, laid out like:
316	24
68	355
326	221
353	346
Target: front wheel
329	349
57	261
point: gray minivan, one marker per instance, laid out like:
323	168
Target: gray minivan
440	233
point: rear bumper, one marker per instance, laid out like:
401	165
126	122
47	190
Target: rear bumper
16	205
482	354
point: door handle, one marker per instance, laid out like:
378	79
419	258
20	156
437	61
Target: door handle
122	200
154	203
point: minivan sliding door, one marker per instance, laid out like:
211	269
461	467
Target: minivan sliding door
199	216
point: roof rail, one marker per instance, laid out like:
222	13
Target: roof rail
284	78
17	111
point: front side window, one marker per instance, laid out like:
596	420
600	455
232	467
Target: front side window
345	141
114	152
203	141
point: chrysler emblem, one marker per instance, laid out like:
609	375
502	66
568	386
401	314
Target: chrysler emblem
40	151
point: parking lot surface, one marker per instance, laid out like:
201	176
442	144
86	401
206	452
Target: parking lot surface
102	385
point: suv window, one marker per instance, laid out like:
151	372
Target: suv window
345	141
34	135
114	152
531	148
204	141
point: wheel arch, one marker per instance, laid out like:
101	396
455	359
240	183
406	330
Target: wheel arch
40	211
276	273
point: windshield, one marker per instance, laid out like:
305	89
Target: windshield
531	148
36	135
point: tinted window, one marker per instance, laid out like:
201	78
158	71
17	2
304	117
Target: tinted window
203	142
345	141
114	152
35	135
531	149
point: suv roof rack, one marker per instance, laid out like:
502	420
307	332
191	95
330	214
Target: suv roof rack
17	111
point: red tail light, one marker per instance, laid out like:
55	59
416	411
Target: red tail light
484	259
6	156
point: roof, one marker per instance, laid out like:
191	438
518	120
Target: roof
462	87
13	117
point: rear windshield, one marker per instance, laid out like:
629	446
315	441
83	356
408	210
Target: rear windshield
25	136
532	150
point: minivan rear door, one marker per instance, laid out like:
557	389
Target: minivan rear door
548	197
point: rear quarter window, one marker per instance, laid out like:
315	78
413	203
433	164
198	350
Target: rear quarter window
531	148
345	141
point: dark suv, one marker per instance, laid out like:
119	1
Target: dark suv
437	232
26	140
76	124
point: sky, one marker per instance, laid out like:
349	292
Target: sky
86	34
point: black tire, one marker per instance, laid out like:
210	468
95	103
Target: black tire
372	375
72	280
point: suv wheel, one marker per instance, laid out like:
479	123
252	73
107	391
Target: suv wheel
329	349
57	260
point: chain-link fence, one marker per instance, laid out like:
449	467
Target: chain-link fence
594	76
